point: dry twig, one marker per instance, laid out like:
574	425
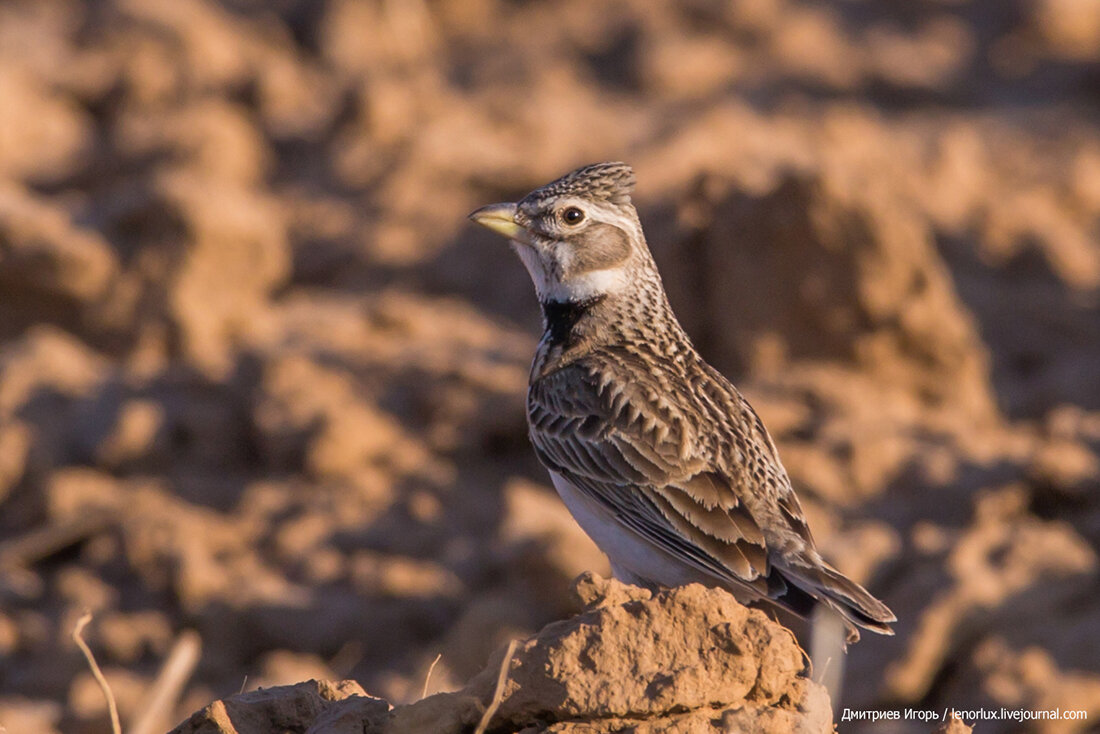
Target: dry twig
498	694
428	677
81	623
173	676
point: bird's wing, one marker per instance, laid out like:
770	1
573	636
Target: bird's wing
630	448
629	445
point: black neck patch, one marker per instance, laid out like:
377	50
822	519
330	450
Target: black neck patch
559	317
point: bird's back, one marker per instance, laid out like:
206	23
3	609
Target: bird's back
673	452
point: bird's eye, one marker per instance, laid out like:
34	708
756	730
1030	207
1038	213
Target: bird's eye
572	215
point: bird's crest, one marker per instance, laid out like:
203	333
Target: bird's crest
610	182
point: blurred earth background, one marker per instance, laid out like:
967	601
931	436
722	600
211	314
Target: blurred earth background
260	378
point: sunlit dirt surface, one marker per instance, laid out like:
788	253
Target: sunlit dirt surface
260	378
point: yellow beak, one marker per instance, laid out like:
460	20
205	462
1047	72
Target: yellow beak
501	218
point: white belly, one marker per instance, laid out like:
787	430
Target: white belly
634	560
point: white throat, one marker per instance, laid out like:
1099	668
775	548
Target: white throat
587	285
578	288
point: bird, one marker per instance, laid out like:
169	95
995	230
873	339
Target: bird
657	456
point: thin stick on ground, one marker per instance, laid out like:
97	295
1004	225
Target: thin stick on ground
498	694
824	670
81	623
173	676
428	677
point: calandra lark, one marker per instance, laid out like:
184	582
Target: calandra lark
658	457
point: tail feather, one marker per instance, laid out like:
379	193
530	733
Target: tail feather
850	600
859	601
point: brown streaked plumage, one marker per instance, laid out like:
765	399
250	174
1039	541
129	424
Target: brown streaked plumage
659	458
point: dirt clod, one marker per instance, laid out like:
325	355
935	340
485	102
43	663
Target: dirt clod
677	660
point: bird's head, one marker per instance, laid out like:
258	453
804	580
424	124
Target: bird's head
579	236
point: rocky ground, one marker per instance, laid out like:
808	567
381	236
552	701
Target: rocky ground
686	660
260	379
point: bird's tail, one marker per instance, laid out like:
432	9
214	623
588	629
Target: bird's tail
855	605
